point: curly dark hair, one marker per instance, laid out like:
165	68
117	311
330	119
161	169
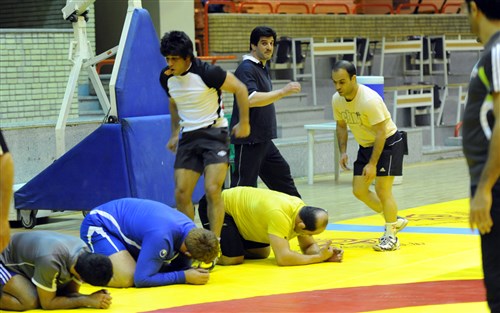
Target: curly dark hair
93	268
261	31
176	43
202	244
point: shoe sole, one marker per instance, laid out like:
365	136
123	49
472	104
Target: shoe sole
378	249
405	222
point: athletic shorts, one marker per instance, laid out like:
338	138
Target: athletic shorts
231	242
390	162
202	147
100	239
5	275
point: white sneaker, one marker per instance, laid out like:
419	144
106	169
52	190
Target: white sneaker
401	223
387	243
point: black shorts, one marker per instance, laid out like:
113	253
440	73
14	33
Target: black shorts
390	162
231	242
202	147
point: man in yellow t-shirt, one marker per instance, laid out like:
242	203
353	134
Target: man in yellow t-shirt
257	220
381	148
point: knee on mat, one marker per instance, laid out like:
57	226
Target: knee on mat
30	303
225	260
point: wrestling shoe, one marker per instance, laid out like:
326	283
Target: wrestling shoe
387	243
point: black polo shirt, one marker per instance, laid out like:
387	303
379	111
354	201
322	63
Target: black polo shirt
262	119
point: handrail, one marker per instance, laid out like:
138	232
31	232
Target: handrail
250	3
205	20
102	63
417	5
295	4
364	5
448	5
330	4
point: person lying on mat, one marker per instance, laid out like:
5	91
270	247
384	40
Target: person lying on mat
149	243
44	269
259	219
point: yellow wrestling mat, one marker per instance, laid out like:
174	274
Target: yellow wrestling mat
437	269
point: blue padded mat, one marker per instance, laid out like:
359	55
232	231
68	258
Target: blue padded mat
138	89
150	163
92	173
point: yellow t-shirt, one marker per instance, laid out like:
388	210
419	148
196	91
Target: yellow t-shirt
260	212
361	113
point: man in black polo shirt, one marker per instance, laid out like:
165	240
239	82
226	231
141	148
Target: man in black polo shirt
256	155
481	142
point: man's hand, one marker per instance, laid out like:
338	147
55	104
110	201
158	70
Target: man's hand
172	144
343	162
100	299
196	276
338	255
369	172
480	207
291	88
241	130
325	253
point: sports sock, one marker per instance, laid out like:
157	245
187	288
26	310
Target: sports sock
390	229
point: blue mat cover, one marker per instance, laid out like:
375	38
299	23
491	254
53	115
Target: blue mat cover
150	163
91	173
138	89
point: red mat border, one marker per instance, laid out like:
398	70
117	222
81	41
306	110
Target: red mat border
350	300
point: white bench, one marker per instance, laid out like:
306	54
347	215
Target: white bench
403	47
403	98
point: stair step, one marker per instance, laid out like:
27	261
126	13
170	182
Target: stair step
105	78
88	103
279	83
89	106
301	113
292	100
453	141
296	129
90	113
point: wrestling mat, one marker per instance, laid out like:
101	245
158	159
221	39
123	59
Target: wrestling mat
437	269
